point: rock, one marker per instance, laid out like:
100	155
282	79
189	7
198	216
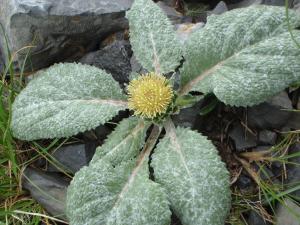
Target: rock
244	3
172	14
219	9
114	59
187	117
48	189
267	137
271	114
256	219
276	2
136	67
288	214
244	182
293	168
73	157
242	138
59	29
293	122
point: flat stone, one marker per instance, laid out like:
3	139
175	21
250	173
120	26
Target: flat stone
171	13
220	8
114	59
59	30
72	157
293	168
244	3
267	137
288	214
272	114
48	189
256	219
276	2
242	138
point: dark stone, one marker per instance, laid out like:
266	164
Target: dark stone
261	148
187	117
267	137
171	13
219	9
287	214
60	30
48	189
256	219
244	182
243	3
73	157
136	67
293	168
242	138
114	58
272	114
276	2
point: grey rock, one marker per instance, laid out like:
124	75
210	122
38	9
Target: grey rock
171	13
48	189
72	157
242	138
256	219
267	137
276	2
293	168
272	114
136	67
220	8
288	214
293	122
244	182
244	3
187	117
261	148
114	59
59	30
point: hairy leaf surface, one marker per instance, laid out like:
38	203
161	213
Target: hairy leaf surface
64	100
187	165
153	38
115	188
243	56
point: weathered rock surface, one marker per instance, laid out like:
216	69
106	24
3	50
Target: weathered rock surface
48	189
242	138
59	29
267	137
72	157
293	168
255	219
114	59
288	214
272	114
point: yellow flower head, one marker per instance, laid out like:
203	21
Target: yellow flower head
149	95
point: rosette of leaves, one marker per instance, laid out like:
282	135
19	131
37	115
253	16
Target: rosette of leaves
243	56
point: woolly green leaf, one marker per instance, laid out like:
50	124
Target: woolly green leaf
187	165
243	56
153	38
115	189
64	100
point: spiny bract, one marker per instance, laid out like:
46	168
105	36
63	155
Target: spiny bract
149	95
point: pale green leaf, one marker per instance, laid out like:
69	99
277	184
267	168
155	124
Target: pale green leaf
153	38
188	166
244	56
115	189
64	100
